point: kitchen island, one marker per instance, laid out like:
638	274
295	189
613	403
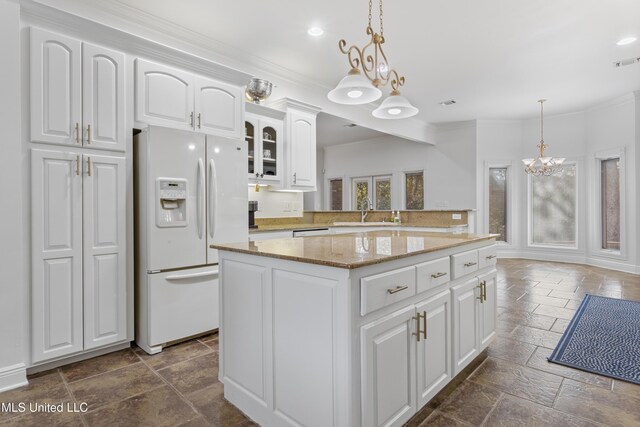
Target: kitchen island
358	329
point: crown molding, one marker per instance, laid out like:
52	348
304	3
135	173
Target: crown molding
40	15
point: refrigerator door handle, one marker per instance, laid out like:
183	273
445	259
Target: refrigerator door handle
213	193
200	197
193	275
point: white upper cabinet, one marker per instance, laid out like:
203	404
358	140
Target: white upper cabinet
167	96
300	143
56	97
302	146
56	232
77	93
164	95
103	101
104	233
218	108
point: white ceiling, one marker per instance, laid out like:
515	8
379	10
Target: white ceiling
495	57
332	130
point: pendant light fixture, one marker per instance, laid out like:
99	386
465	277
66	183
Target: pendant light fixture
543	165
369	71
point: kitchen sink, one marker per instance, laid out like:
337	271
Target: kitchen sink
364	224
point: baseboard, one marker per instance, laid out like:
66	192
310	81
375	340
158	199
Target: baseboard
13	376
571	259
66	360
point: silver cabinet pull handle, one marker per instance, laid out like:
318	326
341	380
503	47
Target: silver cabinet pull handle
481	293
191	118
78	164
418	331
469	264
491	256
77	133
397	289
484	289
295	177
199	120
88	134
424	327
88	166
436	275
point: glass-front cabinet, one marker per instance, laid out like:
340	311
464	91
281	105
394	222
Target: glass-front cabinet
265	138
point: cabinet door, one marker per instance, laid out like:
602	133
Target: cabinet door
218	108
270	150
434	352
465	323
252	140
104	234
56	232
103	98
164	95
56	112
302	145
488	309
388	373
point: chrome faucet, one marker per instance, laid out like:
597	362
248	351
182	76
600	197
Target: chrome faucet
365	207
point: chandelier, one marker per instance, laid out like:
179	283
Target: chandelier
369	71
543	165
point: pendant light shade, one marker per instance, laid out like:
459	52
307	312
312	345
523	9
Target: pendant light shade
395	106
354	89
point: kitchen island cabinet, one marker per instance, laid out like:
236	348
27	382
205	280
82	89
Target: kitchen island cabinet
356	329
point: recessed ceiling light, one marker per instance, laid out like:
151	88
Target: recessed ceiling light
626	40
447	102
315	31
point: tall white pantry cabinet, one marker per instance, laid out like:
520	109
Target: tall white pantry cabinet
78	196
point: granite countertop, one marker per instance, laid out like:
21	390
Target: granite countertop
354	250
309	226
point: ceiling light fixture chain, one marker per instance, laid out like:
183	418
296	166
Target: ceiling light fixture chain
543	166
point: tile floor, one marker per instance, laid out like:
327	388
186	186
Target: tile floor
510	384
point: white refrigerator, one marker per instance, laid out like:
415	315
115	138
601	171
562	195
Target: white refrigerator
191	191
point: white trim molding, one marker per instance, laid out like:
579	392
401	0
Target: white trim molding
13	376
595	243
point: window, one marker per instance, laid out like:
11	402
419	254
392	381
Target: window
335	195
553	208
372	191
361	193
382	196
498	202
610	203
414	190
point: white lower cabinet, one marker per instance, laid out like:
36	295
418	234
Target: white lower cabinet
388	369
313	345
434	351
406	360
78	252
488	308
474	317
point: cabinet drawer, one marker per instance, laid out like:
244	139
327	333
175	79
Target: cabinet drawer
487	256
433	273
386	288
464	263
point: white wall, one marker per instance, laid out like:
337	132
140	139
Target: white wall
13	285
449	167
273	204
